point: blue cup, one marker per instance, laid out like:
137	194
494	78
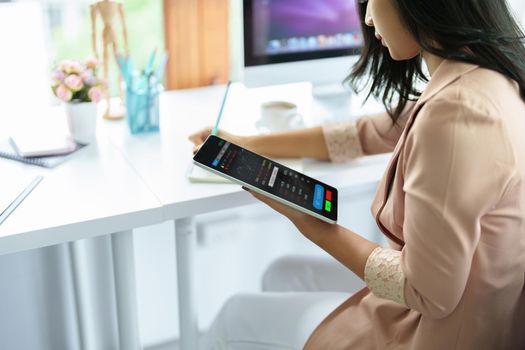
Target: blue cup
142	106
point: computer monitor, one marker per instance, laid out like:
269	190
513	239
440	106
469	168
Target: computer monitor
286	41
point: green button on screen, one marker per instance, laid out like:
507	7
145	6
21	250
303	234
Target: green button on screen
327	205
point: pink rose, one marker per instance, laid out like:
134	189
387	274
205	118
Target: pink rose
95	94
64	93
75	67
88	78
71	67
91	62
58	77
74	82
64	65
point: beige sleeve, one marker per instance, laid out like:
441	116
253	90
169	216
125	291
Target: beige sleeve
342	141
383	274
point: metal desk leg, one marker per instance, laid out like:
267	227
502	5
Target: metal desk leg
185	245
126	290
90	333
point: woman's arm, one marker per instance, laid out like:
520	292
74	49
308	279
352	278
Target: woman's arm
346	246
307	142
337	142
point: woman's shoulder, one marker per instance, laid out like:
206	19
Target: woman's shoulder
458	104
473	114
481	95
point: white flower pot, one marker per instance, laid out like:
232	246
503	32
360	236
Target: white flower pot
82	121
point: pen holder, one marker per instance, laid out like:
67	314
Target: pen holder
142	107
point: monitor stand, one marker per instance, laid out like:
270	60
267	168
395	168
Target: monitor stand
335	99
338	103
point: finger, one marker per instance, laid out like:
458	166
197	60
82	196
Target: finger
196	149
266	200
194	135
194	138
200	135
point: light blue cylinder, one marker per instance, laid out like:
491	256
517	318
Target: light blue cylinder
142	107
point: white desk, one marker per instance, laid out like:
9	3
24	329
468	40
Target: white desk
162	161
96	192
124	181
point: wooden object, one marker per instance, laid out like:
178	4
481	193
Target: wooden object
197	41
110	12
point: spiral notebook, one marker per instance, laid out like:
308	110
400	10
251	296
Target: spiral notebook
7	151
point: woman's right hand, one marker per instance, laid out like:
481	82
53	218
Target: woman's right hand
200	136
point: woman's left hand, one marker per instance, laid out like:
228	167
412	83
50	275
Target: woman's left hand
307	224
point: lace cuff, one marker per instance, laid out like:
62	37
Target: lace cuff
383	275
342	141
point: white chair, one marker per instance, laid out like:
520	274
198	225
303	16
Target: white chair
298	293
304	273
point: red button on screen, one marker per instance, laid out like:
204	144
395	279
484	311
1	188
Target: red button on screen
329	195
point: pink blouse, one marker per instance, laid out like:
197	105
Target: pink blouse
452	204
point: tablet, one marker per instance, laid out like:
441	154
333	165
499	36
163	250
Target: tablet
269	178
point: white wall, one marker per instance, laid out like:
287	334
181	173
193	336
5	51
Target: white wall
519	9
24	69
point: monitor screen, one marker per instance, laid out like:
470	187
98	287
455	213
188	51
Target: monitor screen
279	31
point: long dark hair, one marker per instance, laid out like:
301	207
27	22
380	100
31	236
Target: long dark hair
481	32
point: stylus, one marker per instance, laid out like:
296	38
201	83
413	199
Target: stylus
216	127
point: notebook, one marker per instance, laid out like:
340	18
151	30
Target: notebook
197	174
7	151
39	145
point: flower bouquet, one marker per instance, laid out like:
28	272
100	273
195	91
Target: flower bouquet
77	85
77	82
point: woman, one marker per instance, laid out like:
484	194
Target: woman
452	201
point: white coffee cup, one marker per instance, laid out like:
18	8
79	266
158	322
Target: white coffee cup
278	116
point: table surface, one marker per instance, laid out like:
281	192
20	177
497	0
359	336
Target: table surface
95	192
125	181
162	159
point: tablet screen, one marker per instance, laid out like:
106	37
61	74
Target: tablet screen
269	176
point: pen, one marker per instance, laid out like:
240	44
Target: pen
20	198
216	127
148	70
151	62
160	68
